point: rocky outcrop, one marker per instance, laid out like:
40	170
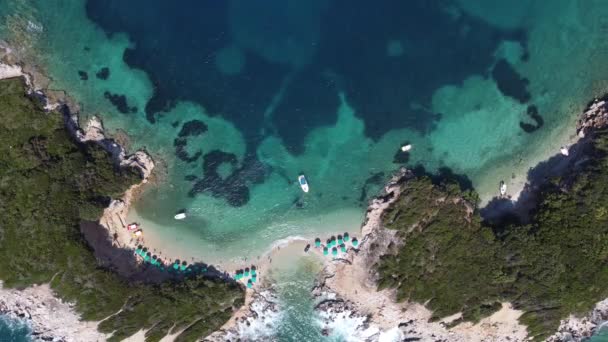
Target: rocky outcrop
581	328
50	318
255	321
594	117
94	131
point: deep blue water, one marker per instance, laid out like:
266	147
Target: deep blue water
323	46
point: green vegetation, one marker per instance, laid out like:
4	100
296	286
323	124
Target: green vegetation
550	268
48	184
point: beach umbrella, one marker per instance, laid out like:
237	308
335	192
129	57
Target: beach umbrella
328	243
355	242
249	284
246	271
325	251
334	251
253	271
343	248
253	280
339	239
346	237
317	242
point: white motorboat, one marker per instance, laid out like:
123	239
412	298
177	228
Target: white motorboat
564	151
303	183
406	148
503	188
180	216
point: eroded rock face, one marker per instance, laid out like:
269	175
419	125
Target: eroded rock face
50	318
579	329
94	131
256	321
594	117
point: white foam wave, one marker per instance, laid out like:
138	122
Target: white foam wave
262	323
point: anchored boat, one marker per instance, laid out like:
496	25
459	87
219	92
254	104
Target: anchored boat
503	188
303	183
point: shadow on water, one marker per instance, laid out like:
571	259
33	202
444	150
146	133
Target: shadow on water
125	263
444	175
502	212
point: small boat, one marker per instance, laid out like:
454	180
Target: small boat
303	183
564	151
181	215
406	147
503	188
132	226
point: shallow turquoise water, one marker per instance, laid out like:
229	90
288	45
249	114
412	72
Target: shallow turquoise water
339	141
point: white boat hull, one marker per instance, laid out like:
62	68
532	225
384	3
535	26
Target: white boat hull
303	183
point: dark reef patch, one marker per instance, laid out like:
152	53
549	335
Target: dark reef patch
120	102
103	73
181	153
192	128
509	82
532	112
83	75
375	179
233	188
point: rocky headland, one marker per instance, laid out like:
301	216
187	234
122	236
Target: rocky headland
348	287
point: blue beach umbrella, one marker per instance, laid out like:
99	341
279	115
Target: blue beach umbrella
249	284
246	271
355	242
317	242
334	251
346	237
343	248
253	271
325	251
339	239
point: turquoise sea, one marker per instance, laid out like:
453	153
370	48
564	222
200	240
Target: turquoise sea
13	330
234	99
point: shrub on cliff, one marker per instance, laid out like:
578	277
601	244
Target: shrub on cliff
48	183
552	267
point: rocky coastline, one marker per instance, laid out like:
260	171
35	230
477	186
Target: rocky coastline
347	290
52	319
347	287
